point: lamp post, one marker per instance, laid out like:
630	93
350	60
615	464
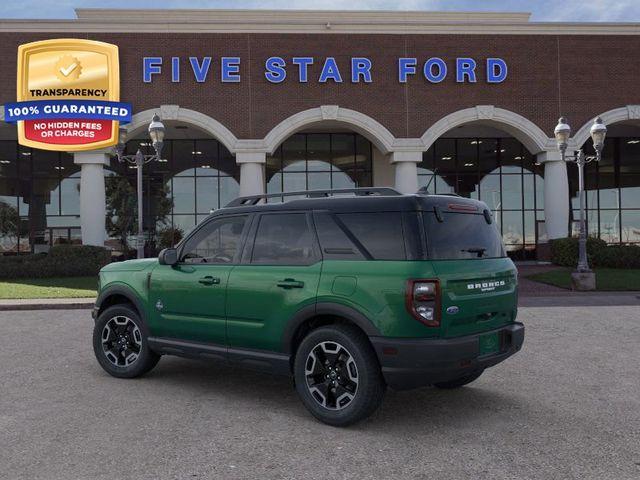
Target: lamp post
156	133
562	133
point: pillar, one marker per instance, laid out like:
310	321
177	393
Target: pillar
556	194
93	208
406	171
251	172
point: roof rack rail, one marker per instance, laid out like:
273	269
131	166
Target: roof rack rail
359	192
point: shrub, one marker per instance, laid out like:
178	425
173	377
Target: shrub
564	252
61	261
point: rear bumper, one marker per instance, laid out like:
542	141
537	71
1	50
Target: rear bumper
411	363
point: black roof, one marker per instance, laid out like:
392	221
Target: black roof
388	201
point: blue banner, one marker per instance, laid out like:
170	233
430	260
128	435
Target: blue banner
67	109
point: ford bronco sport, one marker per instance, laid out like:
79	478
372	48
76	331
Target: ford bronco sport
347	294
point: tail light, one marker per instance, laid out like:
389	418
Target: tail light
423	301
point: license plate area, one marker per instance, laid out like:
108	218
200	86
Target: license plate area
489	343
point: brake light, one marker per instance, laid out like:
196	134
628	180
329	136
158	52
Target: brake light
462	207
423	301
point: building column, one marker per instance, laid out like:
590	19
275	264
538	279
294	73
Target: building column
93	208
251	172
556	194
406	167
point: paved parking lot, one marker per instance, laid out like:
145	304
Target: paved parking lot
568	406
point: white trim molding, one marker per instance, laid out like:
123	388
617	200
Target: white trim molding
140	121
622	114
531	136
374	131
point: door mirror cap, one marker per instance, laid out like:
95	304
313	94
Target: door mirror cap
168	256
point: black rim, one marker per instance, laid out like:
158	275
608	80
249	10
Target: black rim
332	375
121	341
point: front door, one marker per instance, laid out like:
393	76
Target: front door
188	299
278	276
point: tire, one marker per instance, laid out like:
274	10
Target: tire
120	343
337	375
459	382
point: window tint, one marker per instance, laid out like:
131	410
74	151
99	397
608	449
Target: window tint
379	233
283	239
461	236
335	244
216	242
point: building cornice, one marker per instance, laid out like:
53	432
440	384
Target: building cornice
308	21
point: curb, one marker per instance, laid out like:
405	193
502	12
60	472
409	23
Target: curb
47	304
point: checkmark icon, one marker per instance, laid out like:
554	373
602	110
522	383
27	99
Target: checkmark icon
66	71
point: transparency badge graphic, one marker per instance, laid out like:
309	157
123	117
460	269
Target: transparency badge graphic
68	95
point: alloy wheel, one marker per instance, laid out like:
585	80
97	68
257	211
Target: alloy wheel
121	341
332	375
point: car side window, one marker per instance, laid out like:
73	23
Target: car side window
217	242
283	239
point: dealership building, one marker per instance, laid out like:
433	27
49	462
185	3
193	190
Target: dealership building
277	101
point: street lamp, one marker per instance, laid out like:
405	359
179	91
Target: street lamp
562	133
156	133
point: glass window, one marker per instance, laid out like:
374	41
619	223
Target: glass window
334	241
631	226
461	236
216	242
379	233
318	151
283	239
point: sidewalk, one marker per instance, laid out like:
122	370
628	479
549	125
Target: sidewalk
46	304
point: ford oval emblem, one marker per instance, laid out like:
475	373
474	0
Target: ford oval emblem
452	310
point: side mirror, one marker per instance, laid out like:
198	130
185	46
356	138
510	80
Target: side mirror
168	256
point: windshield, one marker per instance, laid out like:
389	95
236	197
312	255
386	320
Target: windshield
461	236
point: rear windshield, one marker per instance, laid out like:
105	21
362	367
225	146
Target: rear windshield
461	236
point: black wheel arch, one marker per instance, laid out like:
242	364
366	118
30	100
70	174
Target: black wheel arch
323	313
118	295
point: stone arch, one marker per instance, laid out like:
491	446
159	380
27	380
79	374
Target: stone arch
374	131
527	132
210	125
622	114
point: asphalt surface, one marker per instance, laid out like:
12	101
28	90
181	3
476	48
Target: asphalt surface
567	406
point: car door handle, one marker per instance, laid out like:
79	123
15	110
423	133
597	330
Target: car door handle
209	280
290	283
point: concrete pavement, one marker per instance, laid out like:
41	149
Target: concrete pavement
567	406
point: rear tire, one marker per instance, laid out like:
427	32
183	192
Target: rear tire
120	343
337	375
459	382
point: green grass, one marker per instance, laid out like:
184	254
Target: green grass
607	279
69	287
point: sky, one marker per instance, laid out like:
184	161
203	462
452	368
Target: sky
542	10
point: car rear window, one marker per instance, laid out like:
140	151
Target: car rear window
461	236
379	233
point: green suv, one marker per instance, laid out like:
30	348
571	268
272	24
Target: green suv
347	291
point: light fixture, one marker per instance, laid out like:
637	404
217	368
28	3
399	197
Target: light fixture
562	133
4	162
633	142
476	142
58	168
447	158
469	164
598	132
196	152
517	158
156	133
26	154
205	166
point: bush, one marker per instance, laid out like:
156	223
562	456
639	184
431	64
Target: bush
564	252
61	261
169	237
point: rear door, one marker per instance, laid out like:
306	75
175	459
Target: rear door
478	281
278	275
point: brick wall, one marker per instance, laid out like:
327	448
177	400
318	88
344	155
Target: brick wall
578	76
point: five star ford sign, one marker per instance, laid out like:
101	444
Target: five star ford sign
68	95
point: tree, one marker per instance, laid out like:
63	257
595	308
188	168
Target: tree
122	207
9	221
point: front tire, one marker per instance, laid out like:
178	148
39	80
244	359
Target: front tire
337	375
120	343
